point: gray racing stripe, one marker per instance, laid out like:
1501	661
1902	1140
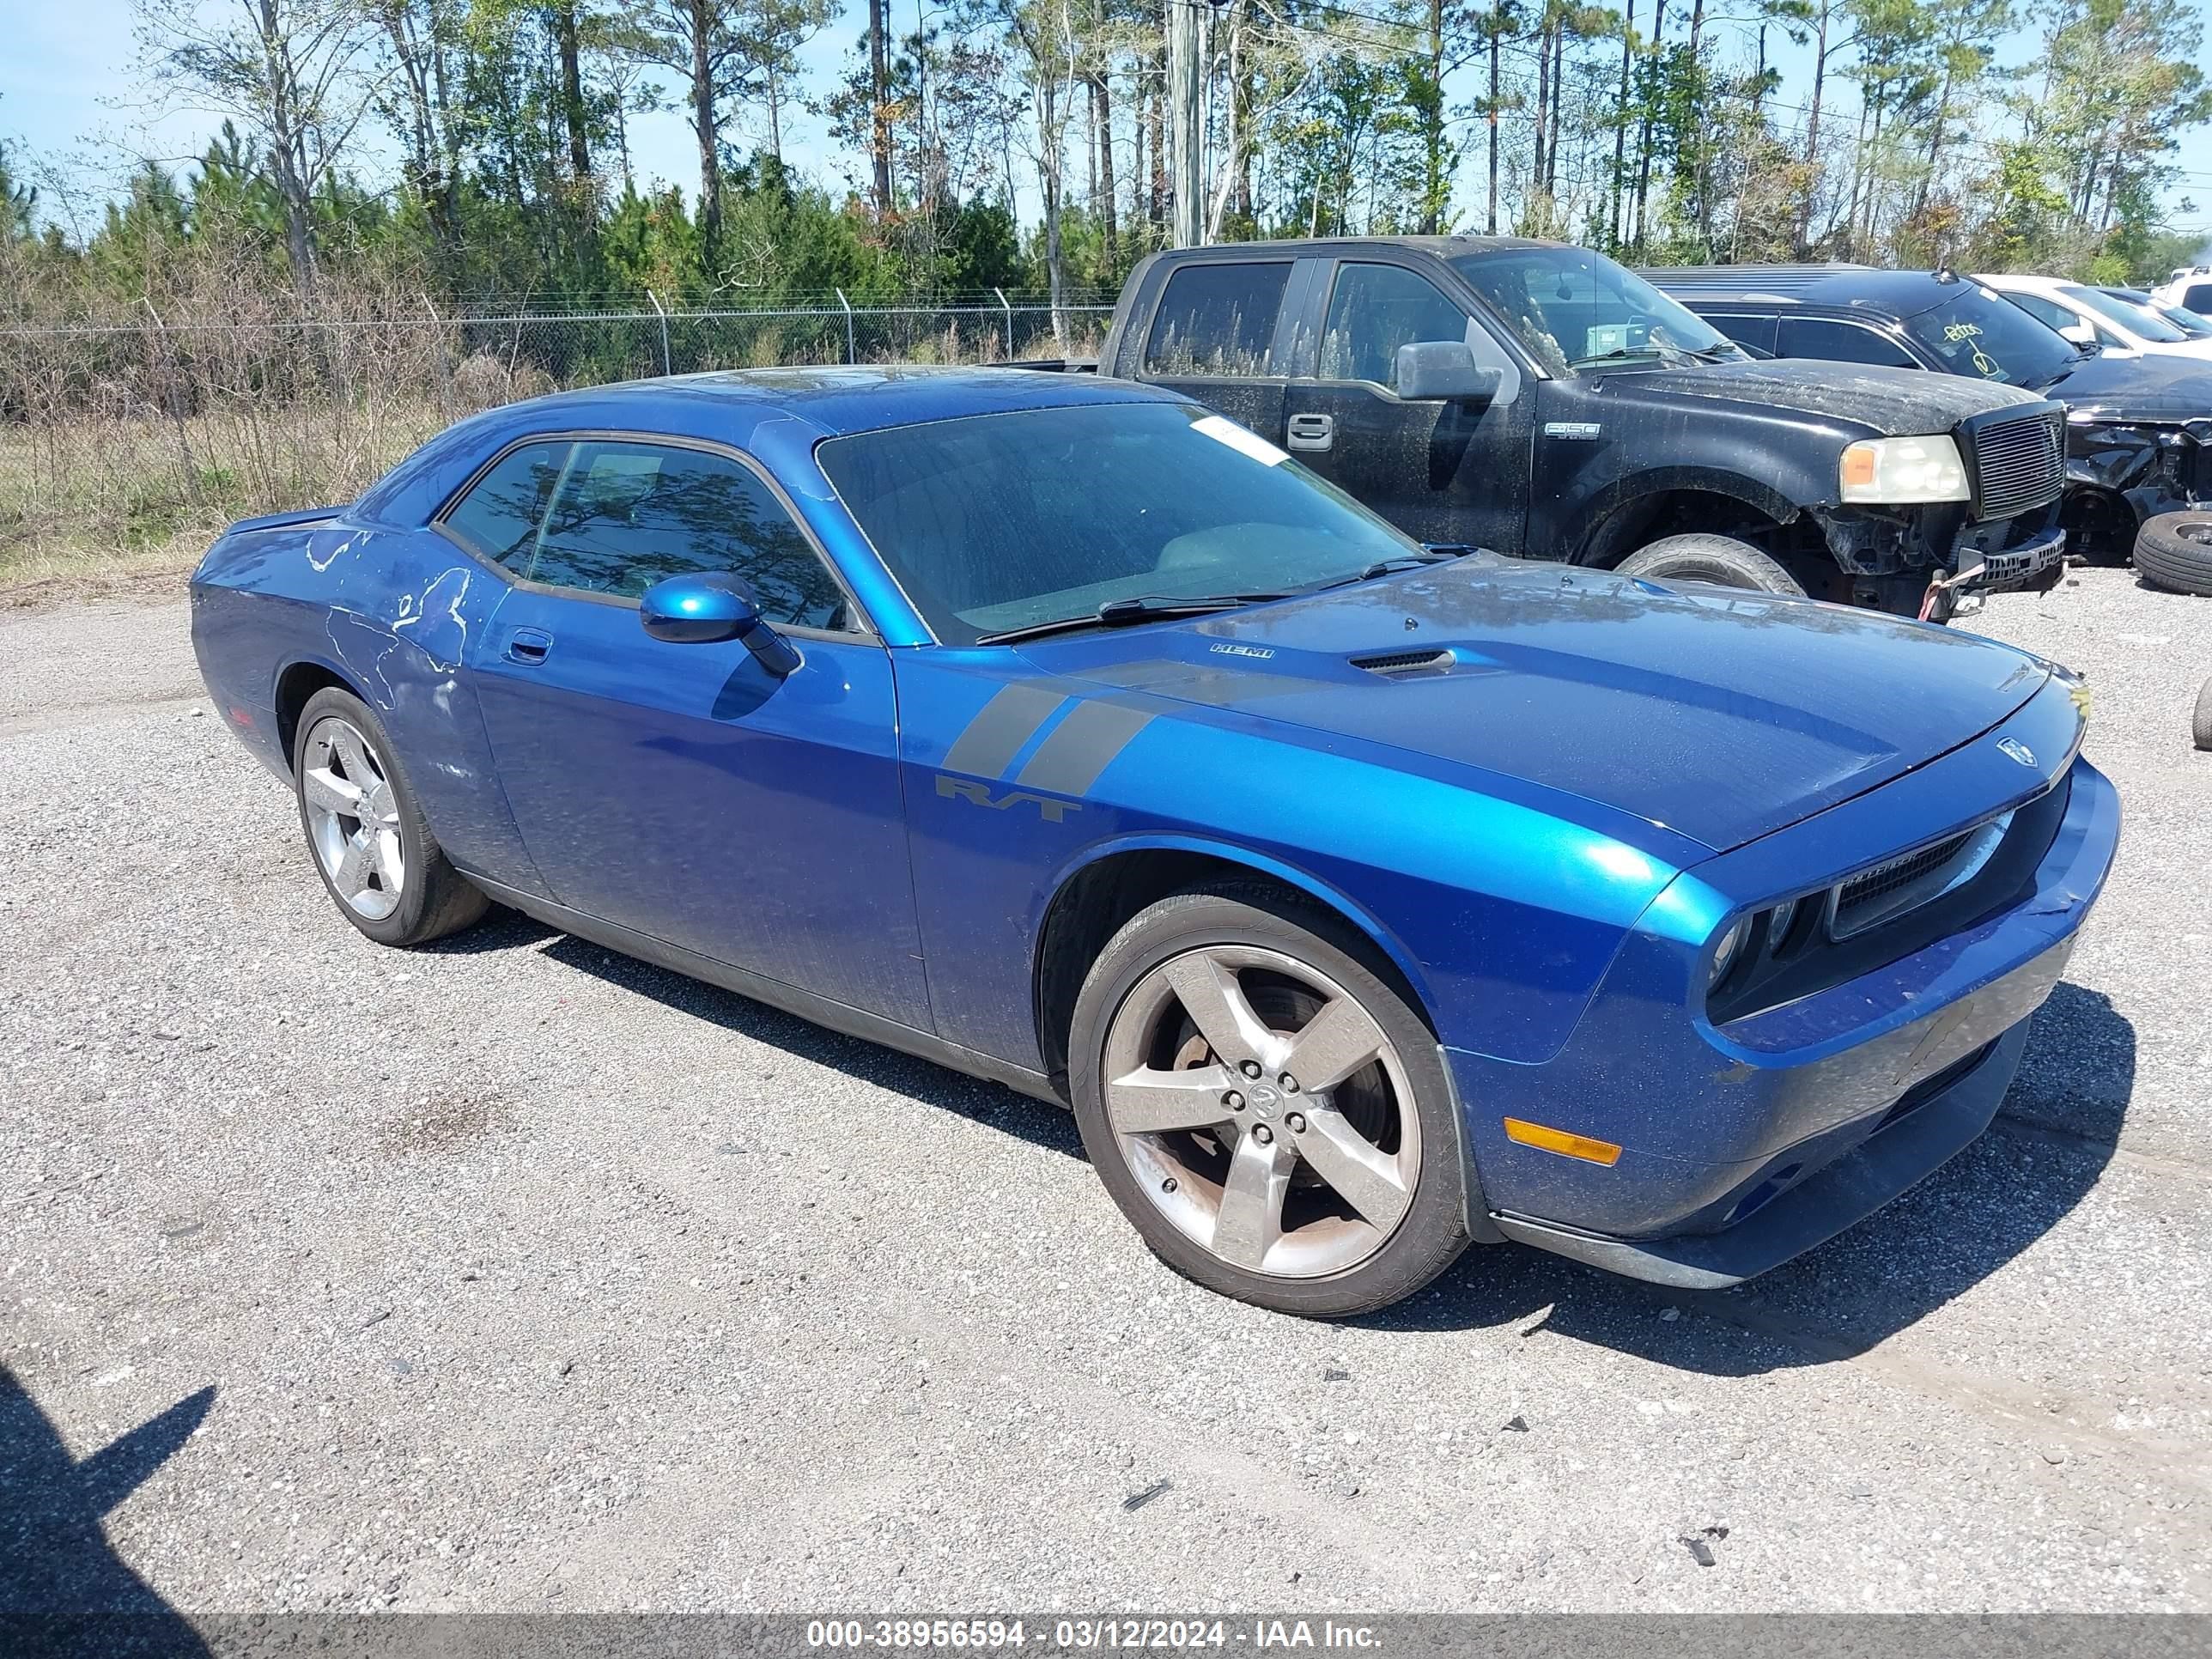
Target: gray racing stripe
990	742
1074	752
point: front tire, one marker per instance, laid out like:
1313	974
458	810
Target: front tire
379	862
1323	1195
1722	561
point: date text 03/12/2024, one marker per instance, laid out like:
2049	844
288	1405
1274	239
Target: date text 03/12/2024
1077	1634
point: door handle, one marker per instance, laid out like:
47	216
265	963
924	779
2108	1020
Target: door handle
528	646
1312	431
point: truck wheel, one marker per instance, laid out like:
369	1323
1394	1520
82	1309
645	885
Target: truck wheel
1721	560
2174	551
2203	727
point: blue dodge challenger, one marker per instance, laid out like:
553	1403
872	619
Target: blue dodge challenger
1363	898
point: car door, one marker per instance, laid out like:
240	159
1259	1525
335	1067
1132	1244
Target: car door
1216	336
1841	342
1754	331
1440	471
682	791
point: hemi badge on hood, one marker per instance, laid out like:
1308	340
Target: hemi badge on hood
1260	651
1584	429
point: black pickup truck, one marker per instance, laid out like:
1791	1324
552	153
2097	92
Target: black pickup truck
1543	401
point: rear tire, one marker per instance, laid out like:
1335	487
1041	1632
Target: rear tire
379	862
1722	561
2202	728
2173	551
1324	1196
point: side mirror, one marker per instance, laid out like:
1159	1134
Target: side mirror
709	607
1444	371
2080	334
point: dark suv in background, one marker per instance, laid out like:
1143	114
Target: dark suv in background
2139	429
1542	401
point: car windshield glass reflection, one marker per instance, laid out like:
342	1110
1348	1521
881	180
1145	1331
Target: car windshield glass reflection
995	523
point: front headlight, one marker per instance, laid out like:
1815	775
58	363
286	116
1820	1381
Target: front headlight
1898	471
1724	953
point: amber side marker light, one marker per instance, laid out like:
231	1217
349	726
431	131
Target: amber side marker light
1560	1141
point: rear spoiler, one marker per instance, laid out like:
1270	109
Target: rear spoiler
1051	365
281	521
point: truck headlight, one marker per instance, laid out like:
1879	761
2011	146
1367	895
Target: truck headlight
1898	471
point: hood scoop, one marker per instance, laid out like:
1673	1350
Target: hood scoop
1406	665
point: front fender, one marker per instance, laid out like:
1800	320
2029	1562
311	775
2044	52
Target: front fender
1377	932
1586	519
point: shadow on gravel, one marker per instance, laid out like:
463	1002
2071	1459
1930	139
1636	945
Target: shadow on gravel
502	930
61	1584
2050	1142
989	1103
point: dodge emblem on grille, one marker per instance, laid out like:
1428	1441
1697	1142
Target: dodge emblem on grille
2017	750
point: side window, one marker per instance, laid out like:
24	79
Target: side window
2197	297
629	514
1218	318
2049	312
1373	311
1755	333
500	516
1843	343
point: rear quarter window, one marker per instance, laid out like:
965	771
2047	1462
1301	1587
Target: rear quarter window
1218	318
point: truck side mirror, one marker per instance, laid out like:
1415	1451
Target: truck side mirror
1444	371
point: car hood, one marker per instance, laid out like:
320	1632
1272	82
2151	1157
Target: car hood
2159	391
1885	402
1718	715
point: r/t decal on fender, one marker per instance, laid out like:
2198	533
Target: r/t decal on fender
1052	810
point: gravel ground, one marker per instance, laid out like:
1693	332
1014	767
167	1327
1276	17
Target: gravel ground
516	1275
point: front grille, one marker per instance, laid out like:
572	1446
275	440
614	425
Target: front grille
1877	884
2018	465
1910	880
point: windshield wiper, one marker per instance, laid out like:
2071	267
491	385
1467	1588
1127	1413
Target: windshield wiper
1384	567
1120	613
1619	353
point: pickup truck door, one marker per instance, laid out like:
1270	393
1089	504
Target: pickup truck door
1442	472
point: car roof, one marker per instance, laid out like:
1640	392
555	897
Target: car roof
778	407
1445	247
839	399
1893	293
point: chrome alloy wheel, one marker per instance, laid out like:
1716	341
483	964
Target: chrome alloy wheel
352	821
1262	1111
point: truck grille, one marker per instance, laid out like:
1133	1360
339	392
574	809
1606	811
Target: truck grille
2018	465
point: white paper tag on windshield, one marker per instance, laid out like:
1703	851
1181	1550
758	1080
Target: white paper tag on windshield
1223	430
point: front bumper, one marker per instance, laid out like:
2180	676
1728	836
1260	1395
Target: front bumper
1746	1145
2037	560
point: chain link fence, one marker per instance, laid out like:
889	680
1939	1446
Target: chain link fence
137	437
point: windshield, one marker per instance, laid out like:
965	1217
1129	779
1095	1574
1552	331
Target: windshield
2130	318
1575	309
1975	332
2186	321
998	522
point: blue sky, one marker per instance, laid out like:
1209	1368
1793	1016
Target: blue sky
66	90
